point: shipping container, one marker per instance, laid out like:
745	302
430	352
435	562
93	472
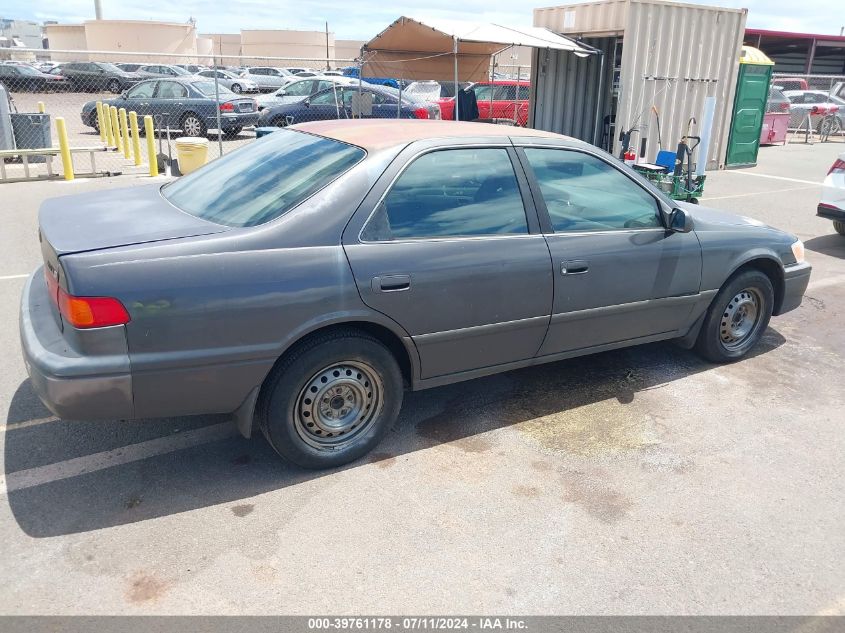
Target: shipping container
666	55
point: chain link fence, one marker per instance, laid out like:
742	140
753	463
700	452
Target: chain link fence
815	103
96	94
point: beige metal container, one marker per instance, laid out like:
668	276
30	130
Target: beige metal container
674	55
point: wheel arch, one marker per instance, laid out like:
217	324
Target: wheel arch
770	266
396	340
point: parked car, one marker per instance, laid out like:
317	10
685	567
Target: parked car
95	76
185	104
832	205
299	89
332	73
295	70
268	78
777	101
790	83
304	281
504	99
816	103
355	72
336	103
192	68
162	70
230	80
27	78
129	67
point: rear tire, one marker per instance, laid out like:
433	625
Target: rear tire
331	400
114	86
192	125
737	318
839	227
236	88
233	132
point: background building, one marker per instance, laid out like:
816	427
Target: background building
800	53
120	36
19	34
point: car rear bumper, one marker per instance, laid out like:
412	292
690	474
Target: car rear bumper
70	384
830	212
795	280
229	121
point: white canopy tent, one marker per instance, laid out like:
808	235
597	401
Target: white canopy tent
451	50
447	49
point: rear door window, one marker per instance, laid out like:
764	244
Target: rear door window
451	193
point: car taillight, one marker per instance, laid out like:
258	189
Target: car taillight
421	113
86	312
838	166
227	107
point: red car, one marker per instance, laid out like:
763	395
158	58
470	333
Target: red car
498	99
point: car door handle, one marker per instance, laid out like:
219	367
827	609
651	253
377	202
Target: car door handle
391	283
574	267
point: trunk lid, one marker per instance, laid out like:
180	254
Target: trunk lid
117	217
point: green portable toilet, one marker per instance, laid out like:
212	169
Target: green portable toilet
752	92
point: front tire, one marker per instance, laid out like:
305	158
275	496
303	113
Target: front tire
331	400
114	86
737	318
236	88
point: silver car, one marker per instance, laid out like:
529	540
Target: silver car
268	78
230	80
298	89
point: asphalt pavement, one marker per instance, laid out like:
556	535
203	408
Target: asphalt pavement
640	481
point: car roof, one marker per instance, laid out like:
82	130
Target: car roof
378	134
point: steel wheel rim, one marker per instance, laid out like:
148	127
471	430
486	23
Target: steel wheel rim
192	126
338	404
741	319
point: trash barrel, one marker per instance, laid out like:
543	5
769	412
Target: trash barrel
192	153
32	131
264	131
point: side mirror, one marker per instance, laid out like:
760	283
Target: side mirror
123	95
680	221
307	103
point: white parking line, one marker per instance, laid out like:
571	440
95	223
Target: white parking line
28	423
756	193
40	475
751	173
9	277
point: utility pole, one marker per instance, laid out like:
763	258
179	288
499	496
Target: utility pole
98	10
328	66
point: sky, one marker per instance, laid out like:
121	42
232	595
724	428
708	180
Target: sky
362	19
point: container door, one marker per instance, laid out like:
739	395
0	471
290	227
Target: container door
752	91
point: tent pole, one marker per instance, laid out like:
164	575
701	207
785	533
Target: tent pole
599	99
455	50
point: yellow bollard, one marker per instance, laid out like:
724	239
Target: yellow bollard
100	122
124	132
115	129
107	126
136	137
151	145
64	148
41	107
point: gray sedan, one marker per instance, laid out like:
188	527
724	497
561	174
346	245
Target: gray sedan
304	282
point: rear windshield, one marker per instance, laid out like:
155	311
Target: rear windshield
207	88
263	180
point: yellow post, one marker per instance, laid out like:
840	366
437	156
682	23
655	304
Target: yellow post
124	132
100	121
41	107
107	126
151	145
64	148
115	129
136	137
